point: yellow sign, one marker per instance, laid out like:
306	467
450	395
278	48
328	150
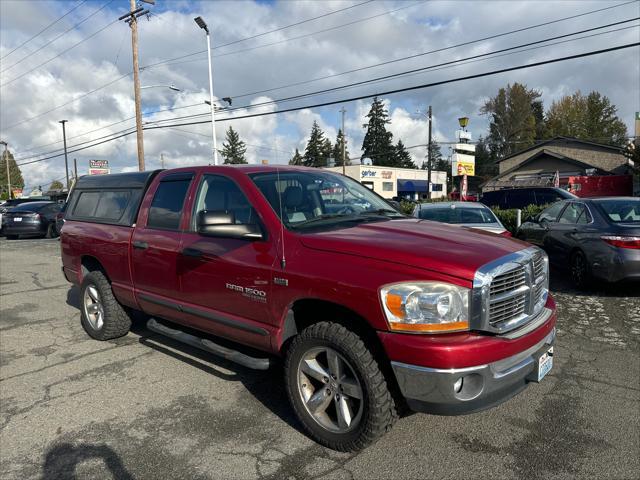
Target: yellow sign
465	168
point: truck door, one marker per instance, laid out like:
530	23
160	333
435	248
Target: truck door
155	246
226	282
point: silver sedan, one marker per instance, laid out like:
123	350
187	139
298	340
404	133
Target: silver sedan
466	214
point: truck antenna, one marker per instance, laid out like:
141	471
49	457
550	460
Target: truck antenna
283	260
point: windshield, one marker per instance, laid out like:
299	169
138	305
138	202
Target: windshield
457	214
306	198
621	210
30	207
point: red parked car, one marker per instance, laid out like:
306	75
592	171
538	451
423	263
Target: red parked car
369	309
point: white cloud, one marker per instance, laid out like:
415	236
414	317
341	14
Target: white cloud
172	33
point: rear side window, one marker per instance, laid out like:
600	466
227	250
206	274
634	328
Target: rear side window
108	206
86	204
166	207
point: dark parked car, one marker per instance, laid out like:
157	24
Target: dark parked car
597	237
31	219
9	204
521	197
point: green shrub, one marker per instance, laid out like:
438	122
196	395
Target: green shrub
407	207
508	217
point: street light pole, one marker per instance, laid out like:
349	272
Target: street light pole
344	141
201	23
66	161
6	157
429	157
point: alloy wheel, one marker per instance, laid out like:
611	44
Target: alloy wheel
93	309
330	390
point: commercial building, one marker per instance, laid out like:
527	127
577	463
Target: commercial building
570	157
390	182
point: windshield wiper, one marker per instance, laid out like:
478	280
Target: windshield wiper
382	211
324	216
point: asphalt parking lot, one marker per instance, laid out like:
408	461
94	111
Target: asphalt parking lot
145	407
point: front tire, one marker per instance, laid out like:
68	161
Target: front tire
337	389
102	317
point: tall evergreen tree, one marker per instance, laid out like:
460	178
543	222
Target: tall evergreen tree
538	114
233	149
512	119
403	157
297	159
486	166
314	154
590	117
337	149
378	142
434	156
327	152
14	171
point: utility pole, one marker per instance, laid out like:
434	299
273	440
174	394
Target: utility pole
162	161
132	20
202	24
429	156
66	160
344	141
6	157
75	170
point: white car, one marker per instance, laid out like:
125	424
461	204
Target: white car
466	214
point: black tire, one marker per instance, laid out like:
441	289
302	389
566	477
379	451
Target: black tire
12	237
580	271
115	321
378	412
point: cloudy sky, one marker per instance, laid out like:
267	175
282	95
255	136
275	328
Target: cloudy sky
79	69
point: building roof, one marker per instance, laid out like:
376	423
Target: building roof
544	152
554	139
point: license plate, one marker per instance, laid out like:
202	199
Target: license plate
545	362
17	219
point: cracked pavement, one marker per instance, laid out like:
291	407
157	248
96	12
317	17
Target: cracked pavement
146	407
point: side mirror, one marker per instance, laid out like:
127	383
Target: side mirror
222	224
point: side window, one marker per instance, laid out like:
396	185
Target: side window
86	204
112	205
217	193
570	214
167	203
519	198
544	197
551	213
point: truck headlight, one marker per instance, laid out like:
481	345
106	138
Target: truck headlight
426	307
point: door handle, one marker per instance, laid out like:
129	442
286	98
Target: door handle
141	245
192	252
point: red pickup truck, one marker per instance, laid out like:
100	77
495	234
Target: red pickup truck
371	311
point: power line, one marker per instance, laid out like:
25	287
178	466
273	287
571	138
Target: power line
59	54
439	66
341	73
44	29
361	97
56	38
442	49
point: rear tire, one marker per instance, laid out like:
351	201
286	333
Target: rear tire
327	368
102	317
580	271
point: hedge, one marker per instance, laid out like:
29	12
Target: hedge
508	217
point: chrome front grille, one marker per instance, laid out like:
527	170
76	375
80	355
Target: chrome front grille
510	291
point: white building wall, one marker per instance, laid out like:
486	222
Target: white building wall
384	180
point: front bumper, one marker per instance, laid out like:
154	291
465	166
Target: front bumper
433	390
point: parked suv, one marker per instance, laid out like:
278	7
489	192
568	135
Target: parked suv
368	308
521	197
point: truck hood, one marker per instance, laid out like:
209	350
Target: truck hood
418	243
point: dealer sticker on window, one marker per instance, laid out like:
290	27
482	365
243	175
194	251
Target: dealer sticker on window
545	362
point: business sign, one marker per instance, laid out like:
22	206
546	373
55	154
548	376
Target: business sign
99	167
462	164
386	174
368	173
